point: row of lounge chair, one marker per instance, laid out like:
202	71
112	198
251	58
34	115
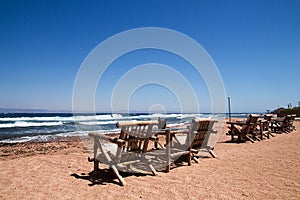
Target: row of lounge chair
255	129
151	146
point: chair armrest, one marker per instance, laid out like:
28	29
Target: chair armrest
116	140
277	120
240	123
171	130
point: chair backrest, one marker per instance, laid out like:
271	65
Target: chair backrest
250	124
162	123
136	134
268	117
286	121
200	130
264	125
292	119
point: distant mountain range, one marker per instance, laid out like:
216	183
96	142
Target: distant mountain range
22	110
25	110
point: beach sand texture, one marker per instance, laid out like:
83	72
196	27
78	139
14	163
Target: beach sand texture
269	169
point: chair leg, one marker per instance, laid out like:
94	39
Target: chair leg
116	172
246	136
189	158
196	159
154	172
96	165
168	150
168	167
212	153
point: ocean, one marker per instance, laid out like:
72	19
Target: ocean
23	127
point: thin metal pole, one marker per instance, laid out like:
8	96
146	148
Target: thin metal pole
229	109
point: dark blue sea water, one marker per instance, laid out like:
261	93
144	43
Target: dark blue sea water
21	127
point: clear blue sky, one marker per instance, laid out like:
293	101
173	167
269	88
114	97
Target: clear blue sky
255	45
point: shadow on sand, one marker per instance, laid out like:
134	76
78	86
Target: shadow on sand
104	176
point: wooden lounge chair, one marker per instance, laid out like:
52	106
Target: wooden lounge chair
128	149
189	142
281	125
244	130
291	122
268	117
200	132
264	128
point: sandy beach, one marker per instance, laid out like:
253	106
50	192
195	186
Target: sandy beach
269	169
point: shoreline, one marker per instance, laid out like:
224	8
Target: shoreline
43	127
24	149
35	147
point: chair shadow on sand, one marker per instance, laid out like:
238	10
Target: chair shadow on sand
232	142
104	176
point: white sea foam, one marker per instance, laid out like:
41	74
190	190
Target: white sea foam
55	136
184	116
32	118
156	115
82	118
116	116
62	124
97	122
65	119
29	124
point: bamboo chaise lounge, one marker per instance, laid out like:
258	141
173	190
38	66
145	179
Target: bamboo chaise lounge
201	131
130	148
264	129
268	118
292	119
245	130
282	124
190	142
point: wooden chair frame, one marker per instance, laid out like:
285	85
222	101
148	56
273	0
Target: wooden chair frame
291	122
132	145
281	125
197	136
264	128
244	130
268	118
